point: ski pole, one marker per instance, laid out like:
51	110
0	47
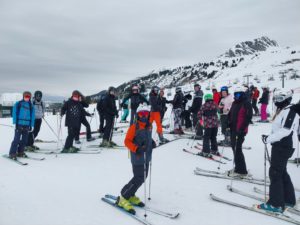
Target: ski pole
113	125
234	155
4	125
219	167
298	154
51	129
145	184
150	178
265	172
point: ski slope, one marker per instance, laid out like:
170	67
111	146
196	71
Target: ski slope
66	189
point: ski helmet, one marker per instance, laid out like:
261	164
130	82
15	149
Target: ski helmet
178	89
224	88
197	85
143	113
282	98
208	97
38	95
239	92
26	94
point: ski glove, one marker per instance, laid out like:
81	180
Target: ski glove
264	138
141	150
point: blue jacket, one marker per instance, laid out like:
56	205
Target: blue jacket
23	114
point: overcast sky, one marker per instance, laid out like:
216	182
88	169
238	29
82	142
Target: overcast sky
58	46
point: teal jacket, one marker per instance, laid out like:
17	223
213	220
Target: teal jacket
23	114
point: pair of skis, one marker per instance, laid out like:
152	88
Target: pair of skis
220	156
111	200
225	175
222	144
212	158
20	162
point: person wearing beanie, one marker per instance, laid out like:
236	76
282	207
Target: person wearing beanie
23	118
74	112
208	117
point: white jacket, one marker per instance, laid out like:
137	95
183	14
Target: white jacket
284	124
226	102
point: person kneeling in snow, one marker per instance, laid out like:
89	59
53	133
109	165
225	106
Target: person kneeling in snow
139	141
285	127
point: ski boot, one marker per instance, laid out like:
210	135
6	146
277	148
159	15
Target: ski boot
125	204
205	154
162	140
198	137
70	150
13	156
22	155
78	142
233	174
269	208
29	149
216	153
90	139
113	144
35	147
105	144
134	200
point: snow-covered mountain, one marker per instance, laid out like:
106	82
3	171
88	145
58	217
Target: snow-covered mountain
262	58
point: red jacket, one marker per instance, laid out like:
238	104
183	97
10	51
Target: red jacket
217	97
255	94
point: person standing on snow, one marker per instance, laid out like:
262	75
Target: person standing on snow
254	97
156	108
39	111
208	113
100	110
135	100
264	101
196	105
23	118
74	112
84	121
125	112
110	113
224	106
285	128
178	103
164	102
139	141
239	117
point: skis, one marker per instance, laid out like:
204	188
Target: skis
118	147
220	156
234	190
136	217
224	175
34	158
221	144
295	161
209	158
150	209
15	160
255	209
51	152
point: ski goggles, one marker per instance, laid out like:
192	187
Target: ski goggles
237	95
27	96
279	98
143	113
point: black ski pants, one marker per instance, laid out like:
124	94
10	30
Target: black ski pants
33	134
237	141
210	140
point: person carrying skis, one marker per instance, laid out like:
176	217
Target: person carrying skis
100	110
84	121
110	113
23	118
139	141
135	100
285	128
254	97
39	111
224	106
178	103
264	101
208	113
156	108
74	112
196	105
239	118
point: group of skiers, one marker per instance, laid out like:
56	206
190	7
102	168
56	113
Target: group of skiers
233	111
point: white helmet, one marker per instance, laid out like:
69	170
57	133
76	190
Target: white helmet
282	95
143	107
239	89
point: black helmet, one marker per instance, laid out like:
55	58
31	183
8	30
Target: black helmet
38	95
197	85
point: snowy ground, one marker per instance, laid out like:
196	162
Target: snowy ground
66	189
